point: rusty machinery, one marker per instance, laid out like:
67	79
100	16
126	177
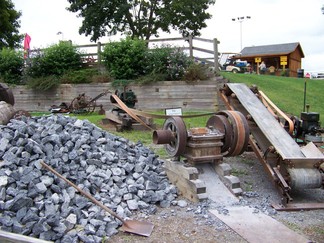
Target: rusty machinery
85	104
250	120
80	104
122	114
226	134
7	110
274	140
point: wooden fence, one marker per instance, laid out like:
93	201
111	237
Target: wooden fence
207	54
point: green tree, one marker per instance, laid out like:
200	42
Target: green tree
11	65
9	25
141	18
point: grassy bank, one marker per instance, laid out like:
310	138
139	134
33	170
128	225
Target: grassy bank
287	93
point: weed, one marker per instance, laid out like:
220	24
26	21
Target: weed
239	172
247	186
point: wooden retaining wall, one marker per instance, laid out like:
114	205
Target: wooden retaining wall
160	95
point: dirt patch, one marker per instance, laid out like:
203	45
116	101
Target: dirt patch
192	222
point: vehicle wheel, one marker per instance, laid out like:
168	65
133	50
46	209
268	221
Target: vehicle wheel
234	71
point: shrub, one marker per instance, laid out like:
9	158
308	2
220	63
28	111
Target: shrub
125	59
89	75
151	78
11	66
55	60
157	59
196	72
168	60
43	83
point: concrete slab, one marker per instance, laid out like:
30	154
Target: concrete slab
253	227
215	188
258	227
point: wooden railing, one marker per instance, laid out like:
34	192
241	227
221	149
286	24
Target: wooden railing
92	52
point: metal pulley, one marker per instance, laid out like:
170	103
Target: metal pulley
235	128
173	136
227	129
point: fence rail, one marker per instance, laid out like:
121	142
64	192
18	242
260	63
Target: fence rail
91	53
209	56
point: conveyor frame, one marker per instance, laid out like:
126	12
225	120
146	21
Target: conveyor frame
273	145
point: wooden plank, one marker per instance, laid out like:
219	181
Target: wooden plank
258	227
311	151
186	180
189	173
6	237
201	95
273	131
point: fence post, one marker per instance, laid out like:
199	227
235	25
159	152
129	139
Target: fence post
190	46
99	52
216	63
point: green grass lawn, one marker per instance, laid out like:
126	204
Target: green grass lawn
287	93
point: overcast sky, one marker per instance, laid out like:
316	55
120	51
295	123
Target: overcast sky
271	22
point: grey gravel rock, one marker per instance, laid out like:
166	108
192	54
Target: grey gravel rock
124	176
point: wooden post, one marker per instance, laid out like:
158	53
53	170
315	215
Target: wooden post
190	46
216	63
99	53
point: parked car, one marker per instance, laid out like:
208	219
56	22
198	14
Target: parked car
236	66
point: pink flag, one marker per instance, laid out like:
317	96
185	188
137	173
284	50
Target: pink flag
26	45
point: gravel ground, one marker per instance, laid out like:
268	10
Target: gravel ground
191	222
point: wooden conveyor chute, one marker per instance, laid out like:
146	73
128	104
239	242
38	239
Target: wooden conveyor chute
290	165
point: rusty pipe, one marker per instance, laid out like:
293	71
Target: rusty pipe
162	136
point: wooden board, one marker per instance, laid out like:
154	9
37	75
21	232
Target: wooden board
6	237
186	180
270	127
311	151
258	227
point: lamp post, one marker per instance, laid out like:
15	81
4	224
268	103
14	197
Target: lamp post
60	33
241	19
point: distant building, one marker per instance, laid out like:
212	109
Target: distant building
279	58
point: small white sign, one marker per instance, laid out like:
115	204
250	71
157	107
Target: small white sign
173	111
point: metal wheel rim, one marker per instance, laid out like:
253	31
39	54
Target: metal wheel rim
177	146
240	136
234	136
221	123
242	133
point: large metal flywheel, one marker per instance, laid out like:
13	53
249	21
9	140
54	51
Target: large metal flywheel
175	129
236	131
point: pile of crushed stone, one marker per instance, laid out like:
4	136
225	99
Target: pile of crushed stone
124	176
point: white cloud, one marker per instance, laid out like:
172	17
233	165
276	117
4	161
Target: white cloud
272	22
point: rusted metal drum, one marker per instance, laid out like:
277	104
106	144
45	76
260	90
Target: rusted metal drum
305	178
6	94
